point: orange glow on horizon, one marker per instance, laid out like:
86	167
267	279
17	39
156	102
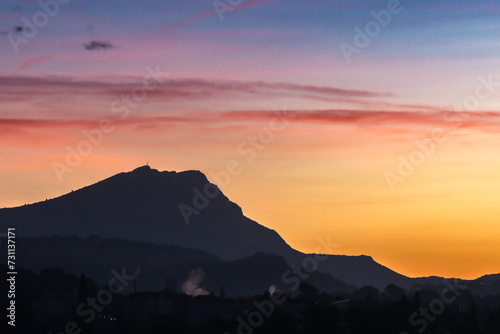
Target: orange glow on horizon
322	175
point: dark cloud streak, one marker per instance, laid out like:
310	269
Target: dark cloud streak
98	45
185	89
475	120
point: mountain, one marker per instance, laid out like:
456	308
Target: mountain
97	258
162	266
143	205
177	209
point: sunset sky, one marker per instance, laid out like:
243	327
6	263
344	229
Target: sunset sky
394	152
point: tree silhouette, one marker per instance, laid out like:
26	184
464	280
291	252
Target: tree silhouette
307	291
82	289
416	300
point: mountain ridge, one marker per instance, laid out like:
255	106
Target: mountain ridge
144	205
114	206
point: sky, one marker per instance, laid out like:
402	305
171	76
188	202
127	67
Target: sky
375	123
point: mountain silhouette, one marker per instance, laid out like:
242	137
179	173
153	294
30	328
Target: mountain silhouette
162	266
143	205
181	210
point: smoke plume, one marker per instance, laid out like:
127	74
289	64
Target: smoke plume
191	285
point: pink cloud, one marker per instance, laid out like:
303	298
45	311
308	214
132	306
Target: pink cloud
438	119
175	89
475	120
62	102
198	17
32	61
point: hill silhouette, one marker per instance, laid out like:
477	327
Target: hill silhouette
162	266
146	205
143	205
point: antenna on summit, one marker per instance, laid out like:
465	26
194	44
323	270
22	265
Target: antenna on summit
147	163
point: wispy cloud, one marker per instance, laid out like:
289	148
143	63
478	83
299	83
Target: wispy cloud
182	89
32	61
475	120
415	118
198	17
69	102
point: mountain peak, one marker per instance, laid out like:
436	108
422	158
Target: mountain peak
180	209
163	207
193	175
144	168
